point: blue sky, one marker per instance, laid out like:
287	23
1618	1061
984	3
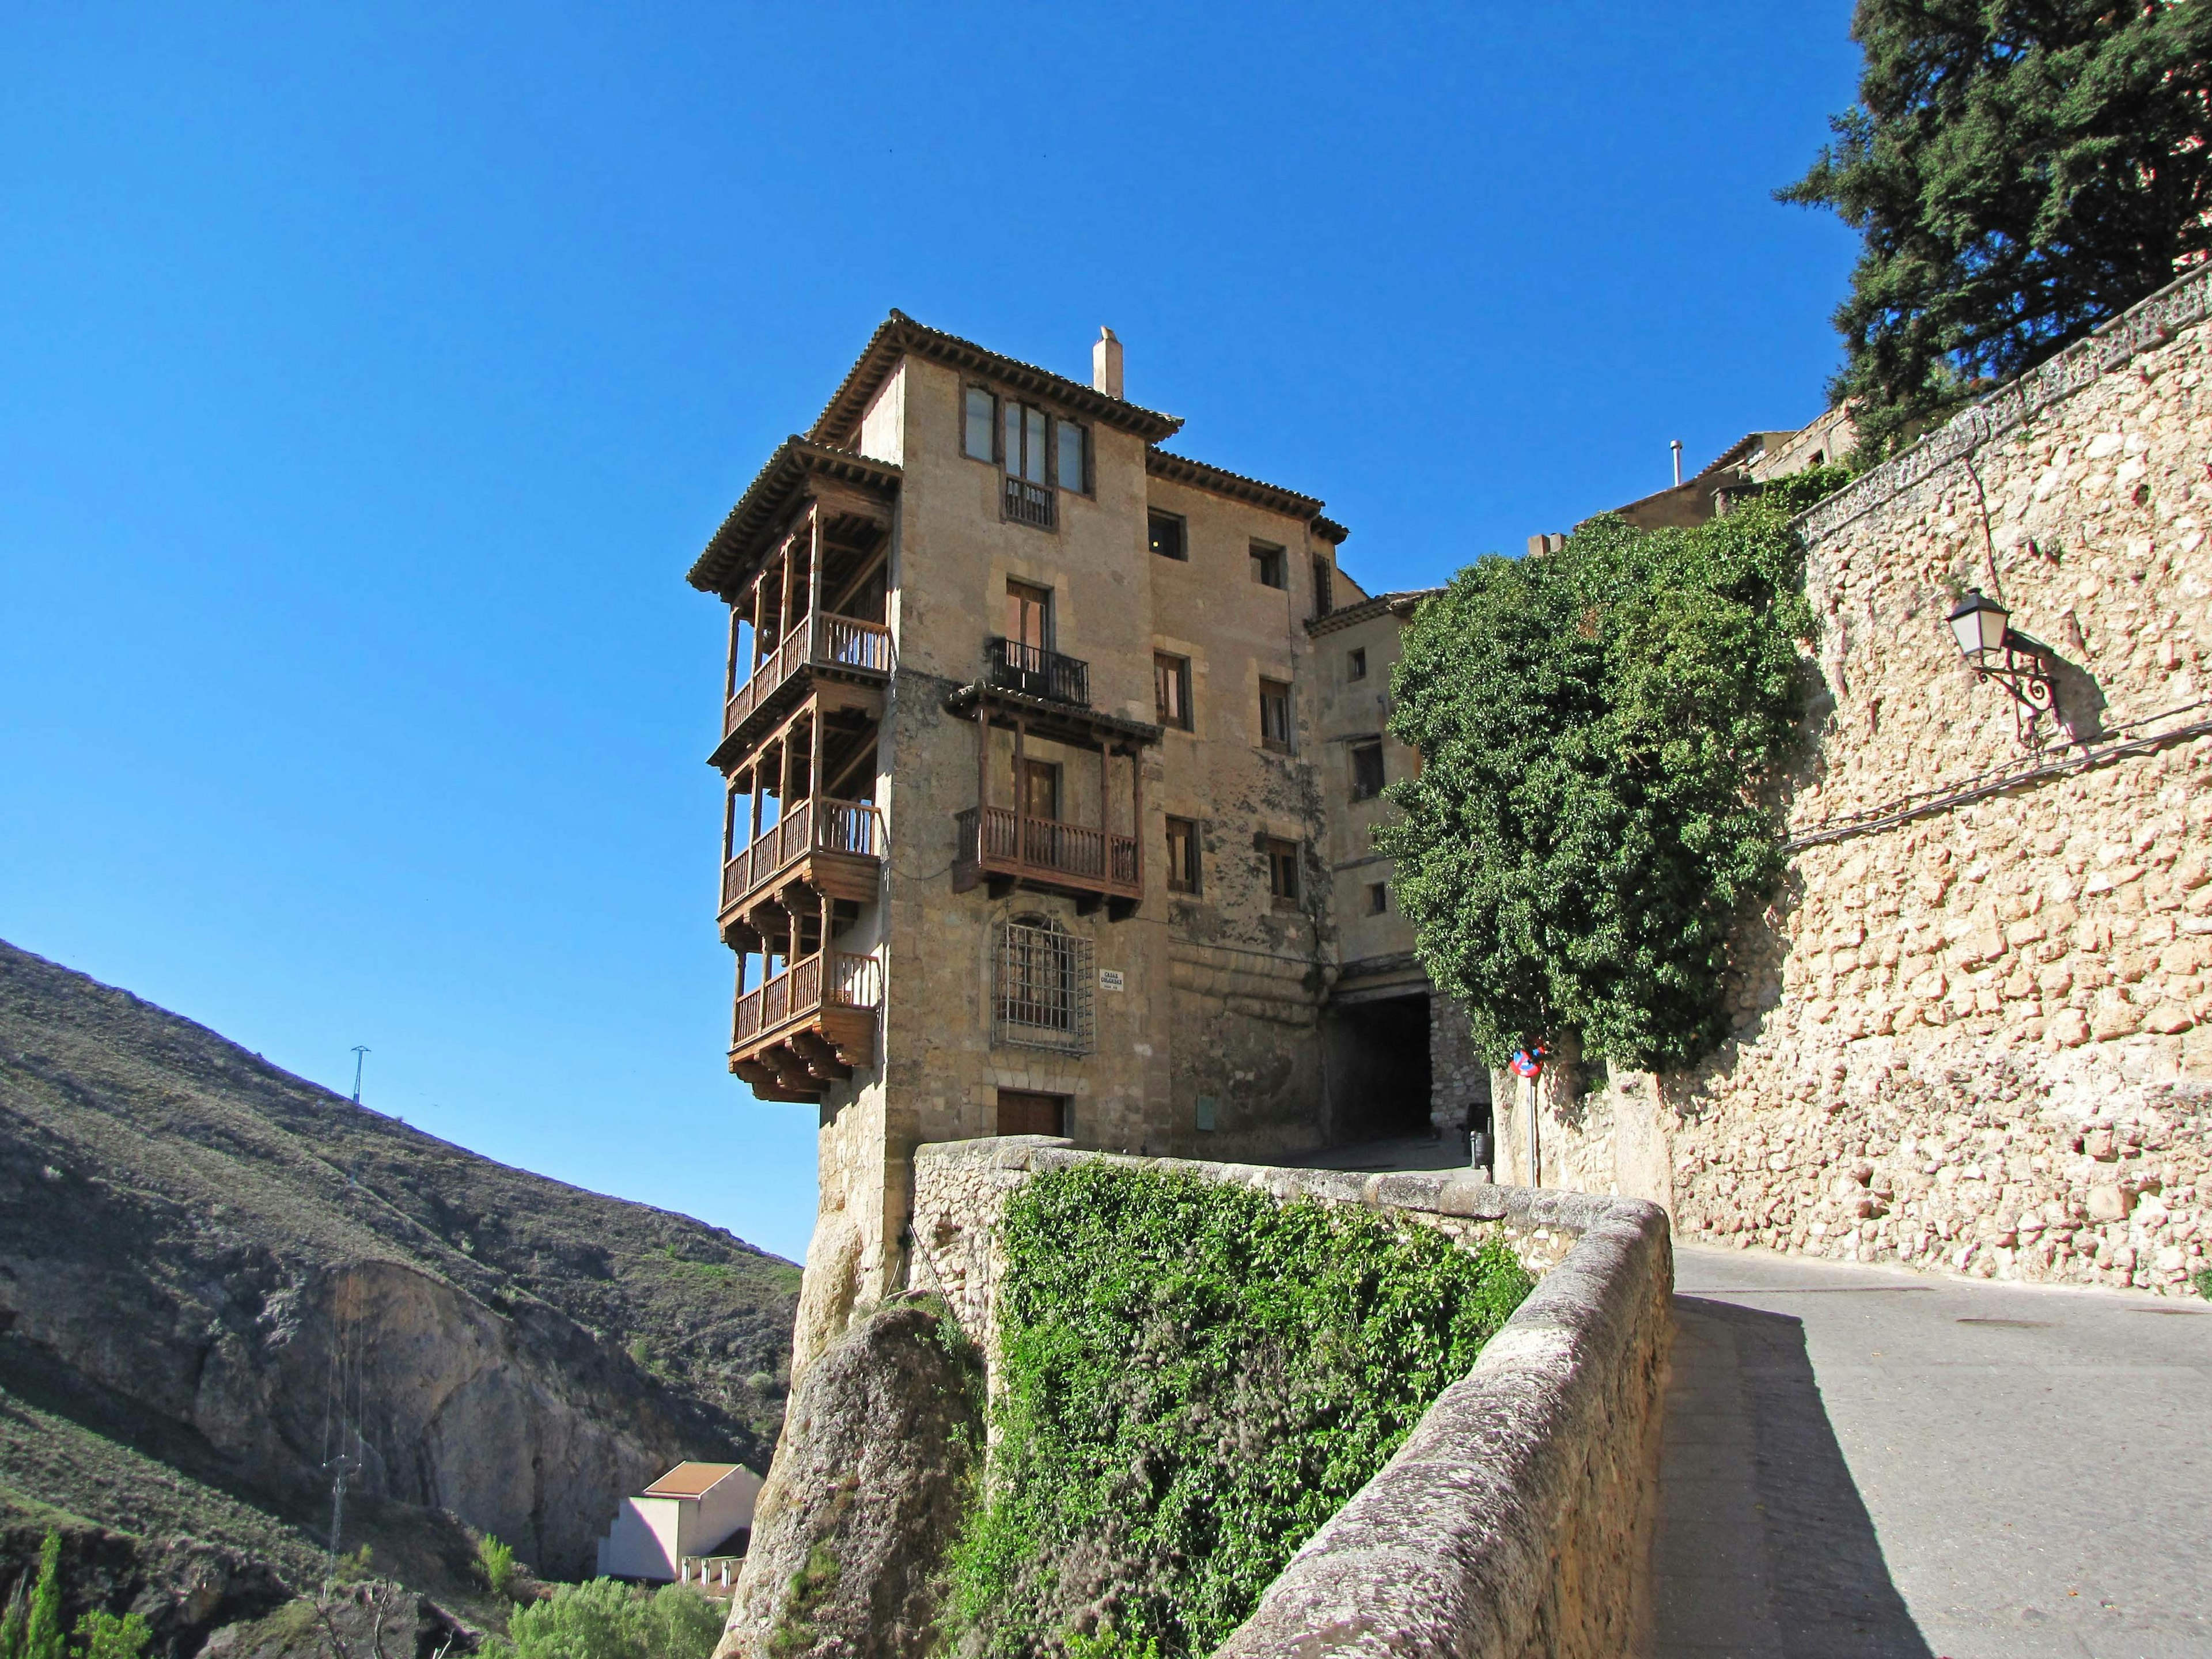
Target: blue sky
373	375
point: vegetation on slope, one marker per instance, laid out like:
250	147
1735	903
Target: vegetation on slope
1195	1378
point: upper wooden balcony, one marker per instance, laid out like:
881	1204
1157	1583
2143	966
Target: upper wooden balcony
833	846
803	1029
1038	672
821	646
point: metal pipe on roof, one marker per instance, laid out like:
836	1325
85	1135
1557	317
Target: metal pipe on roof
1676	445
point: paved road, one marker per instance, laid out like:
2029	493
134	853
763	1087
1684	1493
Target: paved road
1867	1463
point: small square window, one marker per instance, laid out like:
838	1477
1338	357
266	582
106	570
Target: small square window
1167	533
1183	856
1366	770
1268	566
1283	873
1378	898
1171	689
979	421
1275	715
1355	664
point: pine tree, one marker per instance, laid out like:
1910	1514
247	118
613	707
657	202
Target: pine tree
44	1637
2020	170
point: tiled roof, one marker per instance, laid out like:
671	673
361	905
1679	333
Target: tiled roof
761	511
691	1480
898	334
1400	603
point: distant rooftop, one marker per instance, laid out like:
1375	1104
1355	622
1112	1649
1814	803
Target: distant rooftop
691	1480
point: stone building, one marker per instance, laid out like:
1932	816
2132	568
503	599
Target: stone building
1051	757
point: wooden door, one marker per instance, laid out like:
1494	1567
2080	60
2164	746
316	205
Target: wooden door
1040	786
1022	1113
1029	621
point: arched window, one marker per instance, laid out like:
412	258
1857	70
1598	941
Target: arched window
1041	986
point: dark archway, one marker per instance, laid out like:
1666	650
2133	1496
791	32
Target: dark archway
1379	1070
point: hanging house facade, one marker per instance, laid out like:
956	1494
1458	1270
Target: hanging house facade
1050	758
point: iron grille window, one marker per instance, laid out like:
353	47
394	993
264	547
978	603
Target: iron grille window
1041	989
1324	586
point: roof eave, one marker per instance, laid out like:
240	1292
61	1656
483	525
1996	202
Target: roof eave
899	334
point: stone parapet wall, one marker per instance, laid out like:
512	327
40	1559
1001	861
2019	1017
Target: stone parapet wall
1975	1030
1515	1519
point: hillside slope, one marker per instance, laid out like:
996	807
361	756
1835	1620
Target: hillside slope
225	1268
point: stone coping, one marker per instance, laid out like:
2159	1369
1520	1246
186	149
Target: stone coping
1515	1519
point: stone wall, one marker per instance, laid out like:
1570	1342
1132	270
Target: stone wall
1515	1519
1972	1032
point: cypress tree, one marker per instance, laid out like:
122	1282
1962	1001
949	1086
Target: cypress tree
45	1636
2020	170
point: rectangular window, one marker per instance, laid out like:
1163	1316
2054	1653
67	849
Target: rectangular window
1041	989
1183	856
1283	873
1366	770
1171	689
1378	898
1166	530
980	415
1072	457
1324	587
1275	714
1355	664
1023	425
1024	1113
1267	564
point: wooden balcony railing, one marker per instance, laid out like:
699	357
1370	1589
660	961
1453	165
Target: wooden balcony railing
854	828
999	841
855	981
1028	503
1038	672
822	639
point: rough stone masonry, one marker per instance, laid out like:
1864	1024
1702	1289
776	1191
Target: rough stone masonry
1973	1031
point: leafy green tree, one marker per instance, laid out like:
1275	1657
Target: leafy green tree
1601	729
2020	170
606	1619
101	1635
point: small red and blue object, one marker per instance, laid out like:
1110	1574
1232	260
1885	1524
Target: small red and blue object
1528	1063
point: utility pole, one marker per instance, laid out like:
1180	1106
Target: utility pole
359	1049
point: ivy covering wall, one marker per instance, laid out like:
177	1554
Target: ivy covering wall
1195	1376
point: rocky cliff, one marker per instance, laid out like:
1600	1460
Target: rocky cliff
213	1268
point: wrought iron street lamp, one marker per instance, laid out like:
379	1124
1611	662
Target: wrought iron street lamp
1998	651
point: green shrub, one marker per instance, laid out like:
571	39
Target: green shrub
605	1619
101	1635
2202	1280
1195	1378
495	1561
1603	731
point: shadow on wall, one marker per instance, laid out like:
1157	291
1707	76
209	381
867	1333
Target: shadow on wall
1764	1547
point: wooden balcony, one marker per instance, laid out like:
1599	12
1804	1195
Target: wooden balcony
1000	846
1038	672
823	645
833	846
802	1029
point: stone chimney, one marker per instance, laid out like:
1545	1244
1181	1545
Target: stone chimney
1106	364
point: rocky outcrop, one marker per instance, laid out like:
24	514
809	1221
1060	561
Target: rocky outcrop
242	1271
850	1530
